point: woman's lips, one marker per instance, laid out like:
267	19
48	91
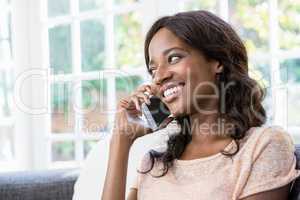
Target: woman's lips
169	85
171	93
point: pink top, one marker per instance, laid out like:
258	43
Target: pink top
264	162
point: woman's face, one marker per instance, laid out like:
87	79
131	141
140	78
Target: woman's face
182	74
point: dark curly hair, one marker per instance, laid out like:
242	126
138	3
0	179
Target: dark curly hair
216	40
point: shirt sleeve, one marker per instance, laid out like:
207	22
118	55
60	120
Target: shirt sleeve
273	163
142	166
134	184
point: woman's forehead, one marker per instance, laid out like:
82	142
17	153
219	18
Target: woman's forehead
164	39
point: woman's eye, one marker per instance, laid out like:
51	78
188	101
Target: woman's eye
174	59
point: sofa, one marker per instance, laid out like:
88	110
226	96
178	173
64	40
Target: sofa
38	185
295	190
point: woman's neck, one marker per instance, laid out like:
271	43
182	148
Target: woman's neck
207	128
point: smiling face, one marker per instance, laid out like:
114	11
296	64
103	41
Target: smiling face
180	73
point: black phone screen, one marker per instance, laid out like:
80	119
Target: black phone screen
156	112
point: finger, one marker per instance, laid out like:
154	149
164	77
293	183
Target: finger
132	105
124	104
134	114
146	88
136	102
154	90
144	96
127	104
124	100
135	111
142	88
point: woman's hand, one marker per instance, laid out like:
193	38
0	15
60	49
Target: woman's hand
130	107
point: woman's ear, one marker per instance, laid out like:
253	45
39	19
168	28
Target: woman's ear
219	68
216	67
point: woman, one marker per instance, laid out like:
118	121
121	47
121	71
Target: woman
199	68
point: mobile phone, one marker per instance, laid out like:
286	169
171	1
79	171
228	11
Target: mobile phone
156	113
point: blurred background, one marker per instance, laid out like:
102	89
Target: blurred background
65	63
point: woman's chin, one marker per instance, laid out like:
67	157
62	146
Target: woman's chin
178	108
178	111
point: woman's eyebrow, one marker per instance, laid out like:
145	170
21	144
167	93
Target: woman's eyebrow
165	52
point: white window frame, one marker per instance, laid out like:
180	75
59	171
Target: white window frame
7	66
75	18
42	160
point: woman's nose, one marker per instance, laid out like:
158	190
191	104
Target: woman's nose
162	74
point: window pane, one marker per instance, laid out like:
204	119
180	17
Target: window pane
295	135
88	145
5	26
85	5
62	120
5	51
6	143
6	90
290	71
129	40
260	71
290	74
294	105
94	100
92	45
126	85
125	1
289	17
250	19
5	38
63	151
60	49
4	2
58	7
210	5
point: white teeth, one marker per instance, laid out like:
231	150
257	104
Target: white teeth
171	91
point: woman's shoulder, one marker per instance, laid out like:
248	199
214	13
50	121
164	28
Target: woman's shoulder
268	160
267	134
273	139
147	161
